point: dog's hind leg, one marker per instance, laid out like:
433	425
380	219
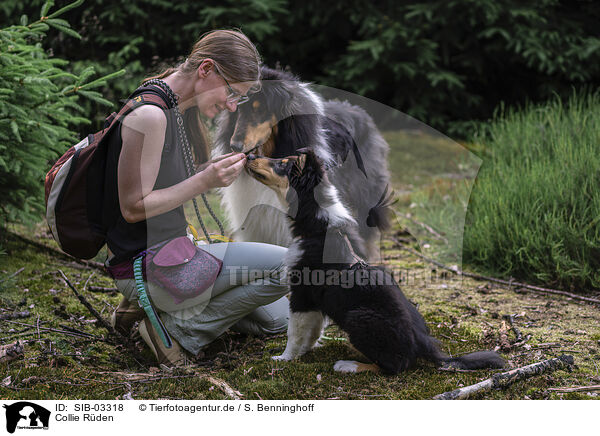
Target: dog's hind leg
304	329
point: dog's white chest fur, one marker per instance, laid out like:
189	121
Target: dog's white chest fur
255	212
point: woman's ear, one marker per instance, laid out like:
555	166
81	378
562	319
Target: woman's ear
204	68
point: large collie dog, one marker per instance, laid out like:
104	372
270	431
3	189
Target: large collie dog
363	300
284	116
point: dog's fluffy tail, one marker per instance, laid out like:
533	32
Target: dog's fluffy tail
430	350
379	215
477	360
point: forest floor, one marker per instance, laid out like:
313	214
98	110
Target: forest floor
67	355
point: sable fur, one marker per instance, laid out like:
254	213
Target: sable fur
336	131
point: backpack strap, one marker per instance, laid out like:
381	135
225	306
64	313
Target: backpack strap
141	96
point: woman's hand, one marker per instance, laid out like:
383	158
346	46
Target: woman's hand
201	167
223	170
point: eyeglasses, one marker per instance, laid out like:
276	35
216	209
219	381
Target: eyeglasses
233	96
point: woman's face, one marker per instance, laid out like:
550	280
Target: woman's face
214	95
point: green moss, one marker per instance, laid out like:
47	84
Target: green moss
464	314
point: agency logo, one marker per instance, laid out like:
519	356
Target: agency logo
26	415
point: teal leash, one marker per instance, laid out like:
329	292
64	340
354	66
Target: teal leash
144	301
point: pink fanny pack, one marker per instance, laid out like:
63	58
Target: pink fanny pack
181	268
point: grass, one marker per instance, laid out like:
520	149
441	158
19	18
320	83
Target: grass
432	176
535	207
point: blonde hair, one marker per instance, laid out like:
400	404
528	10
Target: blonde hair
235	57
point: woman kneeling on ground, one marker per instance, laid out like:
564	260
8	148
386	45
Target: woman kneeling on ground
149	186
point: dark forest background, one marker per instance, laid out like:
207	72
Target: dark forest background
447	63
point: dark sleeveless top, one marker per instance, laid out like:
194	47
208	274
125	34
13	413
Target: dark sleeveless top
125	239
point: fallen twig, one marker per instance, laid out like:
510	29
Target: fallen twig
16	273
149	377
14	335
545	345
78	335
522	342
503	342
102	289
511	283
450	369
55	252
11	351
511	321
425	226
94	312
87	281
14	315
74	330
507	378
576	389
121	338
222	384
49	329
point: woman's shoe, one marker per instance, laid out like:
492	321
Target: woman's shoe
125	316
174	356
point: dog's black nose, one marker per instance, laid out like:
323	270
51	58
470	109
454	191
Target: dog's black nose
250	156
237	146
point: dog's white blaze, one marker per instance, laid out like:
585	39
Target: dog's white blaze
314	98
316	107
322	151
345	366
304	329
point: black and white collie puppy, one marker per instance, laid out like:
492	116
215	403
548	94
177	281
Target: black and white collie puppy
380	322
284	116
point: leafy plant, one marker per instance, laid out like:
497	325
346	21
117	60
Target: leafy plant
447	63
39	108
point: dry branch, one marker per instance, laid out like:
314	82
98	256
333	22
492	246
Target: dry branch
221	384
507	378
151	377
16	273
102	289
511	321
511	283
14	315
576	389
503	341
425	226
11	351
93	311
55	252
48	329
103	323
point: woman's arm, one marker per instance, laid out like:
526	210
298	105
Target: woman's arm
143	136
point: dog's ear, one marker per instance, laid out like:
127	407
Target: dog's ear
297	163
301	161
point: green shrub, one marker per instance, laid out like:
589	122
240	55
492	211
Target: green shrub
534	211
446	63
38	111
